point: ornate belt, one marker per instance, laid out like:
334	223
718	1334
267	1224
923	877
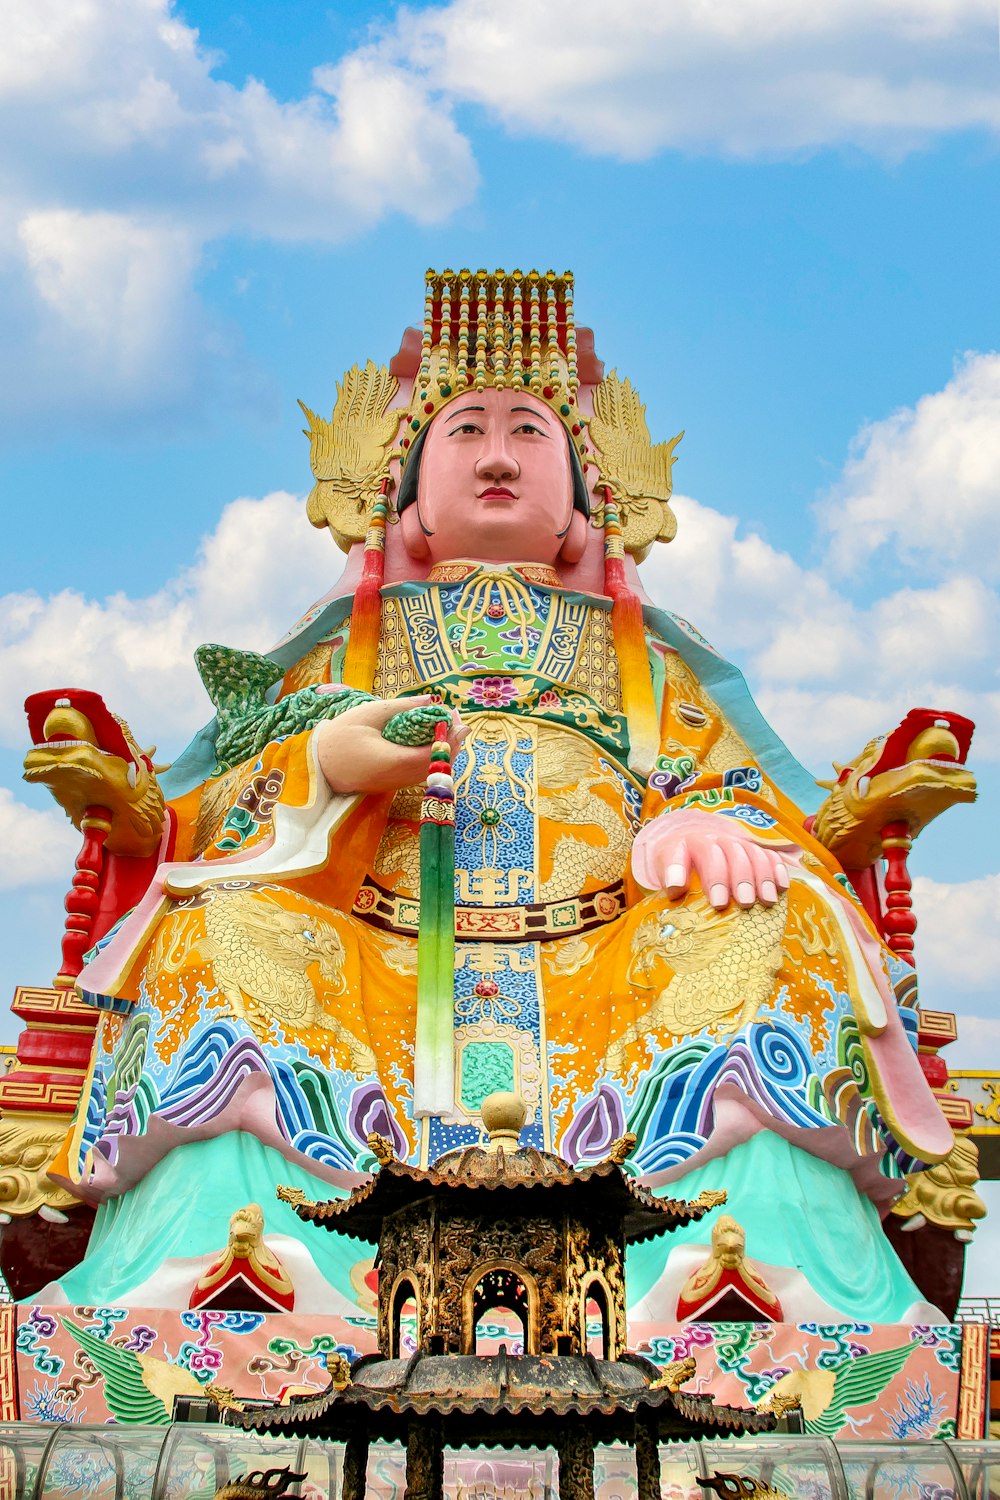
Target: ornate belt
501	924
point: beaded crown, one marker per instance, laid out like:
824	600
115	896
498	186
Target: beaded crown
508	330
500	329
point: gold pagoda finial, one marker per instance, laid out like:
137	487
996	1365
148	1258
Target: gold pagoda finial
503	1115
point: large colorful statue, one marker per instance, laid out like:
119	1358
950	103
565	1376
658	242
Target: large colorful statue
647	937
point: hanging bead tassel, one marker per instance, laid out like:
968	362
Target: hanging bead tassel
630	644
366	613
434	1064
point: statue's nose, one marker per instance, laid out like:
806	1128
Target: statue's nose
497	462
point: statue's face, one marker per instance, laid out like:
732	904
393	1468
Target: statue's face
495	484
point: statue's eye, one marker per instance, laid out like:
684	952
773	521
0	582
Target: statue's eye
531	429
465	427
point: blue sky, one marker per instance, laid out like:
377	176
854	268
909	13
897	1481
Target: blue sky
782	220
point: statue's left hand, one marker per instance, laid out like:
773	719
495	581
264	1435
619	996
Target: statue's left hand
354	755
729	861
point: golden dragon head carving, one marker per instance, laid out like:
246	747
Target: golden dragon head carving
945	1194
89	758
908	776
674	1375
260	1484
742	1487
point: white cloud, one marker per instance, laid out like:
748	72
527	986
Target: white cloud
978	1039
928	630
958	938
49	44
261	565
926	480
827	672
396	145
778	76
115	102
115	294
38	845
920	489
126	156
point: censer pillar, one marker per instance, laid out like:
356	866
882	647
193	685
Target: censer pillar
576	1461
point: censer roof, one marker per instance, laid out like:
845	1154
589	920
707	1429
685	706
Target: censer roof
493	1387
519	1178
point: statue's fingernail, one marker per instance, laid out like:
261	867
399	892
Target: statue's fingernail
718	895
768	890
675	875
745	893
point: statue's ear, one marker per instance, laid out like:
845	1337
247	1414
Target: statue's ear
413	535
575	541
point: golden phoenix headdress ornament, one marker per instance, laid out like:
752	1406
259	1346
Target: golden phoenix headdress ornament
507	330
349	454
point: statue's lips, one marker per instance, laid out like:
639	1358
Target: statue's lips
497	492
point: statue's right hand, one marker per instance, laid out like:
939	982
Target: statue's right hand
354	757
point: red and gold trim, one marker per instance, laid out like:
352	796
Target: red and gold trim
53	1052
973	1381
539	922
